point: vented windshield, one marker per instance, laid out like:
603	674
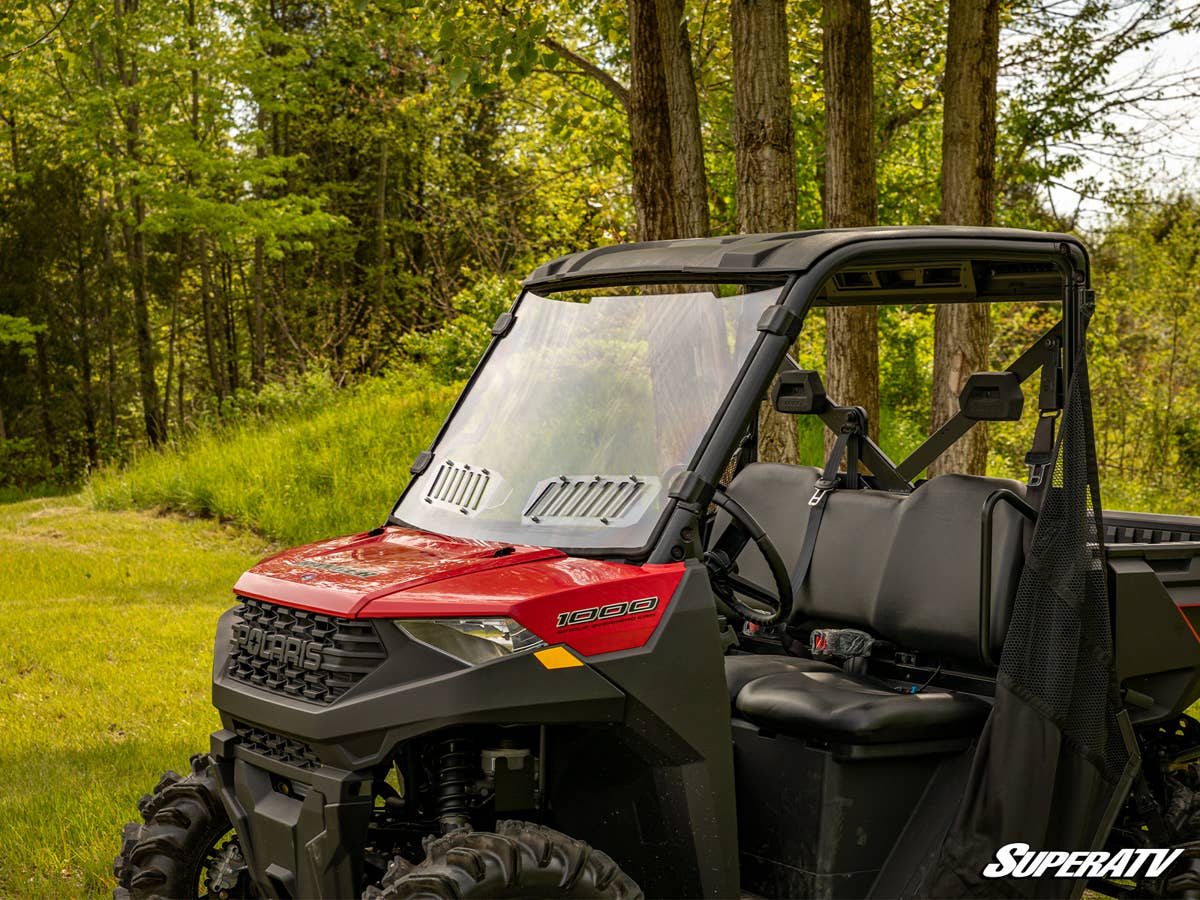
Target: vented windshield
582	415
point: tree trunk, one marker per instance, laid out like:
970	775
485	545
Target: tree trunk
49	435
851	333
375	329
764	143
148	384
683	106
961	331
87	394
216	370
229	325
136	236
764	147
650	127
258	341
172	333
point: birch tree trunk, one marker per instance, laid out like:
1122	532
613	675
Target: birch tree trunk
961	331
764	147
851	334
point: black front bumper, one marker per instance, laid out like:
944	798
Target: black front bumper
296	773
295	847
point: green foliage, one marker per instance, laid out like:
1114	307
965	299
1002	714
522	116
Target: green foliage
210	211
297	477
23	464
1144	353
451	350
18	330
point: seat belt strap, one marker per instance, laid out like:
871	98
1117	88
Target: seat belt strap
825	486
1040	457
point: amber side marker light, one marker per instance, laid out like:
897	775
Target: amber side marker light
557	658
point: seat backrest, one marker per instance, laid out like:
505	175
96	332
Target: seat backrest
905	567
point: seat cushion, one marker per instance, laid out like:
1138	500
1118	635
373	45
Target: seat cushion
837	707
907	568
742	668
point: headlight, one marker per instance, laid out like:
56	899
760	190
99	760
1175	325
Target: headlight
472	641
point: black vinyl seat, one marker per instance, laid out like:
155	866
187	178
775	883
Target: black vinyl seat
831	705
744	668
910	569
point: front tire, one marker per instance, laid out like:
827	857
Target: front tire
184	843
519	859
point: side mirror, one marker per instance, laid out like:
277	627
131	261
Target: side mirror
992	397
799	392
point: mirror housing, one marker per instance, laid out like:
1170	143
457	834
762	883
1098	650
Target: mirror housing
799	392
992	397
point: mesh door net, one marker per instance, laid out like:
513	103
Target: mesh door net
1051	754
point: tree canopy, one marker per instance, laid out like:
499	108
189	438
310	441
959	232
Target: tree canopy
202	198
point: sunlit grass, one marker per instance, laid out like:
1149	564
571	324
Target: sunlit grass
298	478
108	621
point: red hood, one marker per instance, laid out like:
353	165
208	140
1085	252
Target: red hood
342	575
590	605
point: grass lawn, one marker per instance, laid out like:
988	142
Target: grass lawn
107	620
299	478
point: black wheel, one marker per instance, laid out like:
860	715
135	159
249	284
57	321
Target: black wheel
186	848
518	860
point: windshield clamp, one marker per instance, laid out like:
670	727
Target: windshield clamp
777	320
689	487
421	463
503	323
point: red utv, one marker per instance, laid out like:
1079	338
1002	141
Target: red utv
599	650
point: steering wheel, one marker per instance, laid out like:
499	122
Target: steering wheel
721	559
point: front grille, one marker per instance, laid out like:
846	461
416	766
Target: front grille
301	654
276	746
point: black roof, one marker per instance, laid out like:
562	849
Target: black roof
765	253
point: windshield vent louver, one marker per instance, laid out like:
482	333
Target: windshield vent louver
462	487
590	500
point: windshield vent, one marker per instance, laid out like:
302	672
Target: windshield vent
591	499
462	487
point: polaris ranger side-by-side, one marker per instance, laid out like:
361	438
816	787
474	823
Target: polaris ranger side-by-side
599	650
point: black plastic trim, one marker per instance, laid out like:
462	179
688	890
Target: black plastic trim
503	323
777	320
421	463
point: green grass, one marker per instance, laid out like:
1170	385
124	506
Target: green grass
108	621
299	477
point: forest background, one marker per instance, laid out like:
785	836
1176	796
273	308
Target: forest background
249	250
215	214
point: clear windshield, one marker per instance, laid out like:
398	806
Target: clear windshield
581	417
